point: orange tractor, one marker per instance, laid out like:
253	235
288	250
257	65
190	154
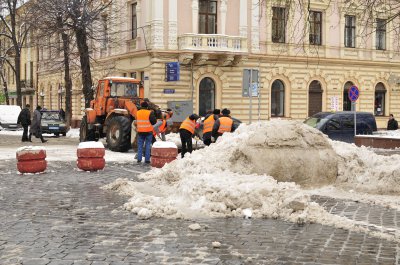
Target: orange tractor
112	113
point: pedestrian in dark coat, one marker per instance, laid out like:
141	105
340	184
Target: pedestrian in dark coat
392	123
35	126
24	118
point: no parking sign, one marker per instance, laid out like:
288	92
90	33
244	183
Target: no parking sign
353	94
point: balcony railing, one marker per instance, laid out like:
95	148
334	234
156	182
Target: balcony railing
212	42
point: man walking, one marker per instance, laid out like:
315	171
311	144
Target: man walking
144	124
186	131
24	118
35	126
392	123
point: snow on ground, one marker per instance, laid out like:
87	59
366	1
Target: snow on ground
226	178
72	133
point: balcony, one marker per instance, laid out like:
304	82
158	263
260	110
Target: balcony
212	43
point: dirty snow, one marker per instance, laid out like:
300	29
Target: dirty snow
263	169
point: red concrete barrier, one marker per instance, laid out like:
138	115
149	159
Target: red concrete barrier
91	156
31	159
163	153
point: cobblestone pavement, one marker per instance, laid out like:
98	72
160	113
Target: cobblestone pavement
62	217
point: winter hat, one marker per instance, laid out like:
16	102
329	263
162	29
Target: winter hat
217	111
144	104
226	112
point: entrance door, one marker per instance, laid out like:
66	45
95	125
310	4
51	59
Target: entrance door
314	98
206	96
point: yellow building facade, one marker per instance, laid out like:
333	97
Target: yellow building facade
302	61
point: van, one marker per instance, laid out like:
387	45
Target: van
9	117
339	126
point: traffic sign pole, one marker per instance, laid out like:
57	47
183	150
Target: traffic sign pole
353	94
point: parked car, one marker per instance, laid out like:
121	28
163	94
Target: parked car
340	125
53	123
9	117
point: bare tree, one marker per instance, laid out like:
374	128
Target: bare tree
83	14
14	30
53	24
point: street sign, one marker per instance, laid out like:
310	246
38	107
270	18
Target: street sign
172	71
169	91
354	93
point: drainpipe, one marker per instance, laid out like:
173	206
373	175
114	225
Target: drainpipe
192	81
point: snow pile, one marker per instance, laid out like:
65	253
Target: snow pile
176	139
361	169
233	174
246	173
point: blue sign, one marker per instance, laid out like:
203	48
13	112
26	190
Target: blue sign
172	71
169	91
353	93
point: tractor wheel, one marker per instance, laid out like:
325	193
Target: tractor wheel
84	133
119	134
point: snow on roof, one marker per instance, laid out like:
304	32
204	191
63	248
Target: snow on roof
91	144
9	113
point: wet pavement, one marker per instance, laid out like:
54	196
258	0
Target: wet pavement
63	217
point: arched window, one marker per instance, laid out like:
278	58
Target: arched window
278	99
314	98
206	96
380	94
346	100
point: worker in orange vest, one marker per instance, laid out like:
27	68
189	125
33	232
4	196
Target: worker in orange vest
186	132
145	119
222	125
208	125
160	128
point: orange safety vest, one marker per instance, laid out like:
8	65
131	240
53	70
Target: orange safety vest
225	124
208	124
188	124
162	128
143	121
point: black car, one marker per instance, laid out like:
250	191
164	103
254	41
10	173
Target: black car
340	125
53	123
